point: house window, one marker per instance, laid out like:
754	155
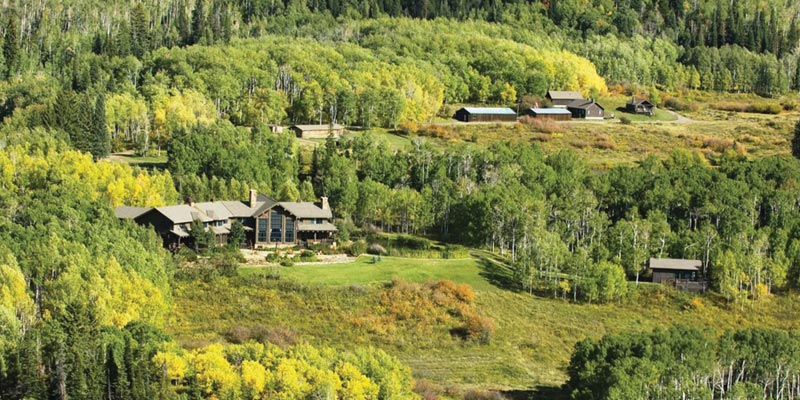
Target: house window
262	229
289	230
276	225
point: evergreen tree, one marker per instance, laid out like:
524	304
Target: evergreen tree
11	46
198	22
140	30
101	139
796	140
184	29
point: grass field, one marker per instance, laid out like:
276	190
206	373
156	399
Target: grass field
364	272
342	306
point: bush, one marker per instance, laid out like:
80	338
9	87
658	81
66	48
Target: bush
542	125
479	328
678	105
306	256
358	248
272	257
376	249
225	263
763	107
476	394
625	120
287	263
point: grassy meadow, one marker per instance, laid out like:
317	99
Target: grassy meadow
346	305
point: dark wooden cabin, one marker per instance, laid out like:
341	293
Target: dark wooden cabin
681	273
640	106
586	109
485	114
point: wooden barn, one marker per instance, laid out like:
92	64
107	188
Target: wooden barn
586	109
640	106
317	131
485	114
557	114
562	99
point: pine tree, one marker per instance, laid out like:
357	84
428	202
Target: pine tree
796	140
198	22
11	47
101	145
140	30
184	30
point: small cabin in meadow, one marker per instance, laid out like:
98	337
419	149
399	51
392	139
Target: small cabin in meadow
557	114
680	273
640	106
317	131
485	114
561	99
671	269
586	109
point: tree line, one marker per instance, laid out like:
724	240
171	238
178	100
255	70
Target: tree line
685	363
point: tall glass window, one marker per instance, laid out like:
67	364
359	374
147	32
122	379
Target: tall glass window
262	229
276	226
289	230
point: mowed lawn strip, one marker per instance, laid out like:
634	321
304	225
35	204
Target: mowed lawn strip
364	271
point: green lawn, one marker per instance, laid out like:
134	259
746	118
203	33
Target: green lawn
152	161
615	104
363	271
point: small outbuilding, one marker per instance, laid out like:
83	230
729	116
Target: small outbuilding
485	114
317	131
679	273
586	109
558	114
561	99
666	270
640	106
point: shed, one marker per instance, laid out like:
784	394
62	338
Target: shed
561	99
485	114
558	114
317	131
639	106
586	109
670	270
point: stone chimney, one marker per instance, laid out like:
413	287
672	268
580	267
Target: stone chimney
324	202
253	198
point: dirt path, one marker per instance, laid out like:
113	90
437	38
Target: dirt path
681	119
255	258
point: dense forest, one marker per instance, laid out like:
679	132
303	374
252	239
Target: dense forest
84	297
683	363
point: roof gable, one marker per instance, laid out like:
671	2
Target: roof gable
490	110
637	102
564	95
584	104
306	210
128	212
305	128
675	264
550	111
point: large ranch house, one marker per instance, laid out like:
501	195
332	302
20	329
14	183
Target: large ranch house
267	223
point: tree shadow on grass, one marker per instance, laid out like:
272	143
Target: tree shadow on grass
497	272
538	393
